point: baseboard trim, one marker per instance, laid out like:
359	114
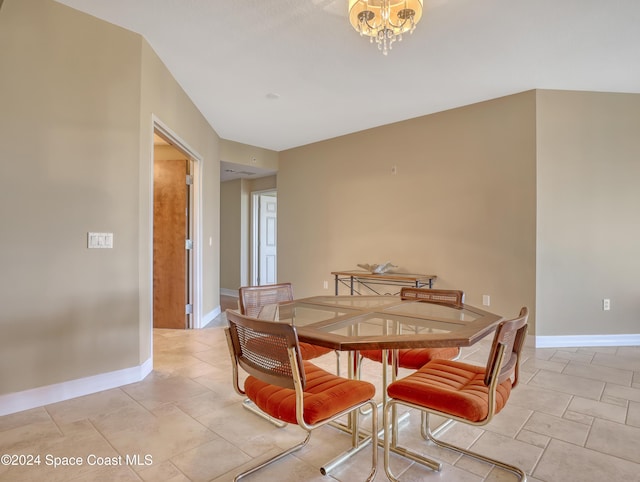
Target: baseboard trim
59	392
228	292
587	340
209	317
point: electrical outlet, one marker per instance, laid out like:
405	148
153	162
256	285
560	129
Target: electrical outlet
606	304
486	300
325	285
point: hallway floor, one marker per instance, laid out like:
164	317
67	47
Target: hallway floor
575	416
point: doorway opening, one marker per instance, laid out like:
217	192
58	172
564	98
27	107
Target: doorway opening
264	238
176	257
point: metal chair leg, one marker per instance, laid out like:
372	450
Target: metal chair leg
255	468
424	426
391	445
249	405
511	468
359	442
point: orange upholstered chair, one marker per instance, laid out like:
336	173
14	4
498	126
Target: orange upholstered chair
415	358
461	392
290	389
253	298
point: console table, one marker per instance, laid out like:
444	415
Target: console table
370	281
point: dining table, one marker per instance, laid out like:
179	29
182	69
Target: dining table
388	323
348	323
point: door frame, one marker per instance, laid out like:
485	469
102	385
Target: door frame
255	232
195	221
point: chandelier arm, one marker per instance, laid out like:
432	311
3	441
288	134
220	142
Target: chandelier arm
386	25
399	26
390	23
371	27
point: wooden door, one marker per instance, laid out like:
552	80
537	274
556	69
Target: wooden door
170	232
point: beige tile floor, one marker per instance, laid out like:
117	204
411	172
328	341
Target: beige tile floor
575	417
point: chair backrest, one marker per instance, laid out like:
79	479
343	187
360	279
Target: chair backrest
262	349
453	298
510	334
253	298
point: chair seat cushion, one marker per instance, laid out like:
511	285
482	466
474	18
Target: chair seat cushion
414	358
450	387
325	395
309	351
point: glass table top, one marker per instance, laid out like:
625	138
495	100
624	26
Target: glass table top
302	314
377	324
381	322
360	302
432	310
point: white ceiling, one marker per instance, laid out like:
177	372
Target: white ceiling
232	56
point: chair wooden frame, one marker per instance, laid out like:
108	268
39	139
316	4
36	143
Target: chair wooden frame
453	298
275	359
503	363
253	298
251	301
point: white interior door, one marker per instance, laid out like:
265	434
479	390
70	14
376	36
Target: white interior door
267	244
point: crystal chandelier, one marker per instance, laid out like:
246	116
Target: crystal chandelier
384	20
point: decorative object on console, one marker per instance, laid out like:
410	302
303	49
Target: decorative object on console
378	268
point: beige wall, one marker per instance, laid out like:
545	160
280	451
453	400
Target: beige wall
77	96
164	99
264	183
239	153
235	211
235	229
462	204
531	199
232	220
69	149
588	204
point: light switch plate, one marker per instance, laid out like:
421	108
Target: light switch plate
100	240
